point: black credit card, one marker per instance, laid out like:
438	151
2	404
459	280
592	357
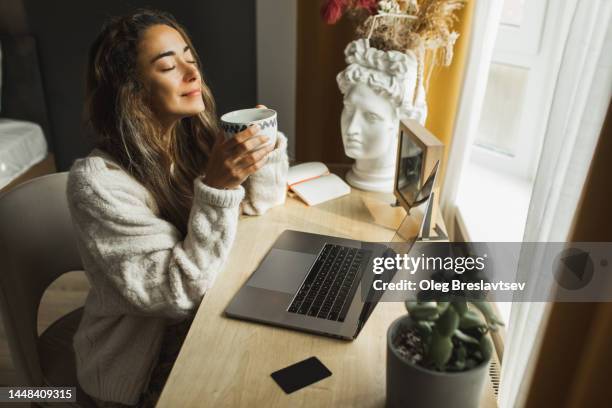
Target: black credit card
300	375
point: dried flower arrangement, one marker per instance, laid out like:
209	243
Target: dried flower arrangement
423	26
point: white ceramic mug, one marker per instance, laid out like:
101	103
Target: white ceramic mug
237	121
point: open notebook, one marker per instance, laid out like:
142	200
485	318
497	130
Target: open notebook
314	184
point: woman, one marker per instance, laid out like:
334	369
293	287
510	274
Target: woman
155	205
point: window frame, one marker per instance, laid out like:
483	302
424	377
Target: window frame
523	47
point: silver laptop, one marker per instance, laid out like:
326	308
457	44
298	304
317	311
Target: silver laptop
312	282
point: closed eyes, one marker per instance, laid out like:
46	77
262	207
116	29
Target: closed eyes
186	50
171	68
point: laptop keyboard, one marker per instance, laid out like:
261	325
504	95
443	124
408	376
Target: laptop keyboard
329	286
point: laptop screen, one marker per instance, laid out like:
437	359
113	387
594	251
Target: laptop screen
412	227
418	220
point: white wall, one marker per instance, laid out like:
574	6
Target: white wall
276	61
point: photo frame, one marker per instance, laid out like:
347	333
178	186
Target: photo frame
418	151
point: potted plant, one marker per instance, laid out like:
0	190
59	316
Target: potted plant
438	354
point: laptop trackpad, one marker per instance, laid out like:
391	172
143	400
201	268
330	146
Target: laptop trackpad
282	270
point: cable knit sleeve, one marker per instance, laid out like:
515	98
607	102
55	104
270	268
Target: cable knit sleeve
267	187
143	257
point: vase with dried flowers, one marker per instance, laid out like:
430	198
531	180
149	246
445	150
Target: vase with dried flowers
386	76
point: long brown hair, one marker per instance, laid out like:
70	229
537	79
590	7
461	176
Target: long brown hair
126	128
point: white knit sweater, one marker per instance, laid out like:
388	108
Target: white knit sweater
143	275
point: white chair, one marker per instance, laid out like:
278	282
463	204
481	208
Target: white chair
37	245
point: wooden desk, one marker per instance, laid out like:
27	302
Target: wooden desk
227	363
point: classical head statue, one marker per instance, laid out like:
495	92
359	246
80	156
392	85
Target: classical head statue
379	88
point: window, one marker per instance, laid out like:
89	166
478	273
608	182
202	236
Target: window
516	99
512	13
498	130
495	188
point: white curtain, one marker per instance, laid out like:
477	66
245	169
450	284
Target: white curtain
581	98
487	15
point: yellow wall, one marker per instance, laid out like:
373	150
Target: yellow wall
445	84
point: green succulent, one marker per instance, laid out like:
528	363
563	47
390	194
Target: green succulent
438	323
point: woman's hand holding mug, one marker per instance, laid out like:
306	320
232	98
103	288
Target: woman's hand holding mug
250	134
233	160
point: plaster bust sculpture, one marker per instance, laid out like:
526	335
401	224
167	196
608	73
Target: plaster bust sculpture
379	90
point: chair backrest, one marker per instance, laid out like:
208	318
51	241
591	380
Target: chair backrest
37	245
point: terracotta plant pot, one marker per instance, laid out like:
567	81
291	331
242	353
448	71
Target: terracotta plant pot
410	385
